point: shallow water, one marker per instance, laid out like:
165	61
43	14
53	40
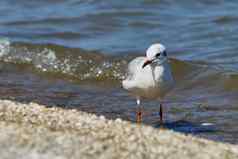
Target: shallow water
75	53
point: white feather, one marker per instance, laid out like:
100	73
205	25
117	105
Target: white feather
153	81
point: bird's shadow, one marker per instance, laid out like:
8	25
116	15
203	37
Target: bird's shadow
187	127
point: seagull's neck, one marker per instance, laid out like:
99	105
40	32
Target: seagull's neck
160	63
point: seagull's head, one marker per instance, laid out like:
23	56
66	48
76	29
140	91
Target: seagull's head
155	53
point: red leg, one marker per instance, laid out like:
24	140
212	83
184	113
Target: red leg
161	113
138	111
139	115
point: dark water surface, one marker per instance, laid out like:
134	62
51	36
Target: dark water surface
74	53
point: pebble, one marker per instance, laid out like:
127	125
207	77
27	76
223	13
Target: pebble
118	120
37	131
101	117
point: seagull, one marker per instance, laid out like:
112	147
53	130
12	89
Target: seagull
149	77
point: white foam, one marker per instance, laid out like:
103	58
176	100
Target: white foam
207	124
4	46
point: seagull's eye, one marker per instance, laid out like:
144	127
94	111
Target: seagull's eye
157	55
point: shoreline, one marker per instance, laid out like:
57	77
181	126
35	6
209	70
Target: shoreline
37	131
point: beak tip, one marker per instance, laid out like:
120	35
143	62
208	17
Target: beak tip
146	63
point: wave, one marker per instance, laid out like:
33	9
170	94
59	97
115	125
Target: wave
73	62
83	65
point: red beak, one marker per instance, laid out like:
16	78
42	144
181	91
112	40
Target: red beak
147	62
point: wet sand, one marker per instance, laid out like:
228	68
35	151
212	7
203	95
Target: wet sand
37	131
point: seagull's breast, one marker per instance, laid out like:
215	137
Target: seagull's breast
152	81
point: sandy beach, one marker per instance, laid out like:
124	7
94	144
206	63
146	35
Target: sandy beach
37	131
